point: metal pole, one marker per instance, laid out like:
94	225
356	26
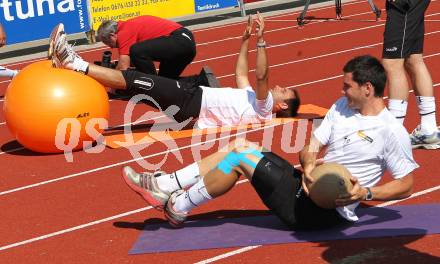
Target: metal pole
375	10
242	9
91	34
301	17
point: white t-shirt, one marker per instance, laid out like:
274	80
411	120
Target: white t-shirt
232	107
365	145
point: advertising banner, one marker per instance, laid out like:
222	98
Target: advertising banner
207	5
126	9
29	20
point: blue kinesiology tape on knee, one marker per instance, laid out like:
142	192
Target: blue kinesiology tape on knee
229	162
233	159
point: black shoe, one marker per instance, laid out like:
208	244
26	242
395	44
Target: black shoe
192	80
377	12
207	78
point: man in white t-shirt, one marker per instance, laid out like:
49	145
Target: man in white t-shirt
359	132
212	107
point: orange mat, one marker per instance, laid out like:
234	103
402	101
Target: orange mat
307	111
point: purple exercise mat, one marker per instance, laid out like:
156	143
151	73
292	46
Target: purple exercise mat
259	230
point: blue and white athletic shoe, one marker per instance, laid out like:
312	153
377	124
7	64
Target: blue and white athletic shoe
420	140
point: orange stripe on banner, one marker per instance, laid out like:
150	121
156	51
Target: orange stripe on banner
307	111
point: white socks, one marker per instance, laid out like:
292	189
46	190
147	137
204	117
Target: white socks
5	72
180	179
398	108
428	123
193	197
79	65
426	105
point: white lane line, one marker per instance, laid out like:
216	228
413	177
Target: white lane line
235	252
316	81
229	254
75	228
244	249
12	150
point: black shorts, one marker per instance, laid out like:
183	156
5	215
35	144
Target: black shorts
278	184
404	28
165	92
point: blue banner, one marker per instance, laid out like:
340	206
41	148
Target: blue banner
28	20
207	5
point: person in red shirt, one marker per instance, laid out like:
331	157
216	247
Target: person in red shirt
145	39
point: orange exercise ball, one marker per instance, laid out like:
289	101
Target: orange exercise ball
51	110
330	181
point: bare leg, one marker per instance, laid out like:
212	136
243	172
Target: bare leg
420	76
423	89
64	56
397	81
210	162
107	77
218	182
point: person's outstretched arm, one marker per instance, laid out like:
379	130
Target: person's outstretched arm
241	68
262	69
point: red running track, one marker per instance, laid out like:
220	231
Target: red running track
54	211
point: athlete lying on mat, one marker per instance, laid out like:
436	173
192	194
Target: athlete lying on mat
212	106
358	131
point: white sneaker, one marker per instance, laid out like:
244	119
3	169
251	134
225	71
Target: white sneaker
145	185
57	31
420	140
175	219
62	53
